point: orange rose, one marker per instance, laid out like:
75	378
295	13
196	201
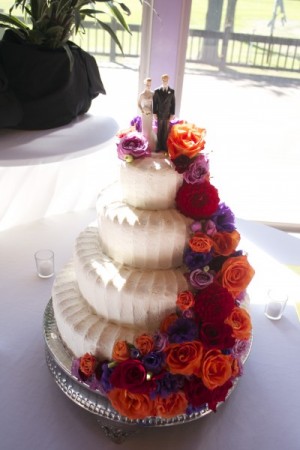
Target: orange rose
236	274
173	405
167	322
225	243
120	351
216	369
144	343
185	139
134	406
236	370
200	243
185	300
240	322
87	364
184	358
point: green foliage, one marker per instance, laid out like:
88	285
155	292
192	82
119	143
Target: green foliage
51	23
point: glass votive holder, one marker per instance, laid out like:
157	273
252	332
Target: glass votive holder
276	304
44	260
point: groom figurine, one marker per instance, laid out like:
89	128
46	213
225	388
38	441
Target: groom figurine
163	111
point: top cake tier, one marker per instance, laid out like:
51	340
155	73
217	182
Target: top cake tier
150	183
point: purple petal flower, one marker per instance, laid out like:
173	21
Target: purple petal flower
160	341
200	279
196	260
106	373
197	171
224	218
153	361
196	226
137	122
133	144
168	384
210	228
183	330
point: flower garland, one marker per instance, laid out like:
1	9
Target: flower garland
191	362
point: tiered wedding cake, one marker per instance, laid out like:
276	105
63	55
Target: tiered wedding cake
153	303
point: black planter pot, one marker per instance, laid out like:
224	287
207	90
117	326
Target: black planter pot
38	87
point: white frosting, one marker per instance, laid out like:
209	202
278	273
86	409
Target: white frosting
140	238
123	294
80	328
150	183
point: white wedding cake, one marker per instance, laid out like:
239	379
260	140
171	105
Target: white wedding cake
153	302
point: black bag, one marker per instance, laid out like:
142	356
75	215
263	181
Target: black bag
38	87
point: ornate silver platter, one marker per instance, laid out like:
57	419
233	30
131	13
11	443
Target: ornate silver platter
115	426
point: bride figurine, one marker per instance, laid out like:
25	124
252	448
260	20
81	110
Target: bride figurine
146	108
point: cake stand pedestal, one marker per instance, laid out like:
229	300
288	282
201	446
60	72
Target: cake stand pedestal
116	427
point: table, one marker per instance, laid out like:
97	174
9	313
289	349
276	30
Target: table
262	412
48	172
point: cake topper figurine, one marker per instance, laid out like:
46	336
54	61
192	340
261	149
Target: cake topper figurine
163	111
145	104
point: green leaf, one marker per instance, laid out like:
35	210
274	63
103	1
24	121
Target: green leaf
118	15
111	32
7	20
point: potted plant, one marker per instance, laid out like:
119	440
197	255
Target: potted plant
45	79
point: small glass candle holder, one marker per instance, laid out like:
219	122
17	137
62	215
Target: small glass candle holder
44	260
276	304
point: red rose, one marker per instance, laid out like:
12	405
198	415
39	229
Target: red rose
131	375
213	304
217	335
196	393
218	394
198	200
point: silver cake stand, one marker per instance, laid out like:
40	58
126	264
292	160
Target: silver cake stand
115	426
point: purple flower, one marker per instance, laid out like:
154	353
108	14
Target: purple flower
195	260
168	383
106	373
223	218
197	171
75	368
133	145
200	279
210	228
137	122
153	361
183	330
160	341
240	348
196	226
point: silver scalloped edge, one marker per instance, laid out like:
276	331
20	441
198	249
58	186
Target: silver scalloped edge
59	361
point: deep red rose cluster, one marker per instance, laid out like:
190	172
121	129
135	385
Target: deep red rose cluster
198	200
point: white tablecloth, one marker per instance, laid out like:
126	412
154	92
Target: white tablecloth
262	412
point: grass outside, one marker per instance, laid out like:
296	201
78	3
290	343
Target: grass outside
252	16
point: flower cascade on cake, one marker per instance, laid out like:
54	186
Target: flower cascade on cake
193	359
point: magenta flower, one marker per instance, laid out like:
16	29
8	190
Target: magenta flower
133	145
200	279
197	171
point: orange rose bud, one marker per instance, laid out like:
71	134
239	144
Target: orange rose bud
132	405
185	300
240	322
200	243
120	351
87	364
185	139
236	274
216	369
167	322
225	243
144	343
184	358
173	405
